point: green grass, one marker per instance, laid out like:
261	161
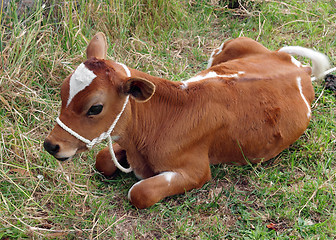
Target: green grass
42	198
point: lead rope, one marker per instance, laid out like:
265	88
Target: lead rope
115	161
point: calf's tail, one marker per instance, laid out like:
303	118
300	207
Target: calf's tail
320	62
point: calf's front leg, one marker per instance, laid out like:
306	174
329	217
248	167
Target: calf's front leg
149	191
104	163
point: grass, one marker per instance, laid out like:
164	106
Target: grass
42	198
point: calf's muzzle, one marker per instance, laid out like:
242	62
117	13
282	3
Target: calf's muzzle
52	149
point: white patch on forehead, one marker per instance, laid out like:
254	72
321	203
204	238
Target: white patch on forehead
129	191
210	74
79	80
298	81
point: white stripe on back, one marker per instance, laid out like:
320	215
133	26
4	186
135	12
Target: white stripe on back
298	81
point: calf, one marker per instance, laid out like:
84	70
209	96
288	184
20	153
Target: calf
249	105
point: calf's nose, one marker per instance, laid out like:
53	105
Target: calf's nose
50	147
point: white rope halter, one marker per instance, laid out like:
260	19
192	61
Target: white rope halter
104	135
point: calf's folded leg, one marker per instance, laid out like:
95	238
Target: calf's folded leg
147	192
104	163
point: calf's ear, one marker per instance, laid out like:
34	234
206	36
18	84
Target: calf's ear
97	47
140	89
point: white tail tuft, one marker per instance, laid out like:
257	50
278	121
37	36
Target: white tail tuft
320	61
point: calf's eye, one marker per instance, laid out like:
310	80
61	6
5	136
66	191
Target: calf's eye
95	110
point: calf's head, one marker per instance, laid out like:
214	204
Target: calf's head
93	98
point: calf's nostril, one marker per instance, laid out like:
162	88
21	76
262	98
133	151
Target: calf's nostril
51	148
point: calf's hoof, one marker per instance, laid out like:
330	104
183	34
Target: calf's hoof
141	197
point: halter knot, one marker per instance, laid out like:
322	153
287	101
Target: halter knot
101	137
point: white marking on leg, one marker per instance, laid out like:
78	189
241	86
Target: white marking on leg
168	176
79	80
298	80
129	191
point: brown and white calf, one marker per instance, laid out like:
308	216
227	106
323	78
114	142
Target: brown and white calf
249	105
